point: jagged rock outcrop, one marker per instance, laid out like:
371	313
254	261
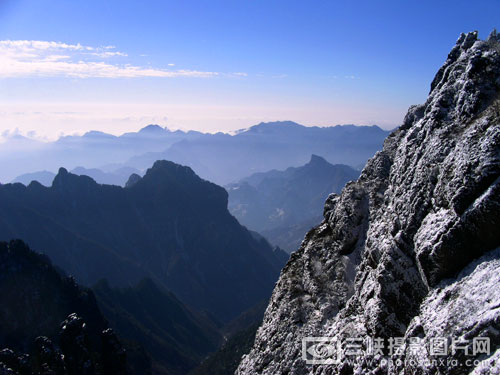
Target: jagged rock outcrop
113	356
48	358
75	356
34	299
75	346
408	250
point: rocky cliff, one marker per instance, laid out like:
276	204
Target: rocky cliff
406	260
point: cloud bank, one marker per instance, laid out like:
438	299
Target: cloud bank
33	58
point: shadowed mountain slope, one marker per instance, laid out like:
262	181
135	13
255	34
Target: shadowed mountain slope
176	338
57	322
170	226
284	205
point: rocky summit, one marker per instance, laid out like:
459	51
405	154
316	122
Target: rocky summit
402	275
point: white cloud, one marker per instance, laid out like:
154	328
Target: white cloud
109	54
31	58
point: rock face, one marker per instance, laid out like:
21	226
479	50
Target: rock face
408	251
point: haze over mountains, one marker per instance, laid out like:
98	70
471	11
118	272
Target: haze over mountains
170	225
220	158
340	247
224	158
409	249
284	205
20	155
170	231
118	177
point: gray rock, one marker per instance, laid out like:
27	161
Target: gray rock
408	250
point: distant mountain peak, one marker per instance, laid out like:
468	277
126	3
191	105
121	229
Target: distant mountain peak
62	172
169	174
44	177
97	134
189	243
266	126
152	128
162	164
65	180
170	167
316	159
132	180
277	123
273	125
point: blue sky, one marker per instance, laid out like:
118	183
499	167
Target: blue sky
71	66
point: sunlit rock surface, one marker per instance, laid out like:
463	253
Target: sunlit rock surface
409	249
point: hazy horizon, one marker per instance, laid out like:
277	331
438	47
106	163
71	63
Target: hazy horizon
223	65
216	157
9	134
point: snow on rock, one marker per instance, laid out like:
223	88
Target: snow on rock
464	307
401	251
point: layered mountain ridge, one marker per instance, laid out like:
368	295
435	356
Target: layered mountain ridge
170	226
408	250
224	158
221	158
283	205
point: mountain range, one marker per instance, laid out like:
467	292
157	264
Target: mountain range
118	177
153	275
20	155
284	205
220	158
224	158
170	226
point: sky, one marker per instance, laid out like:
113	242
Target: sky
70	66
